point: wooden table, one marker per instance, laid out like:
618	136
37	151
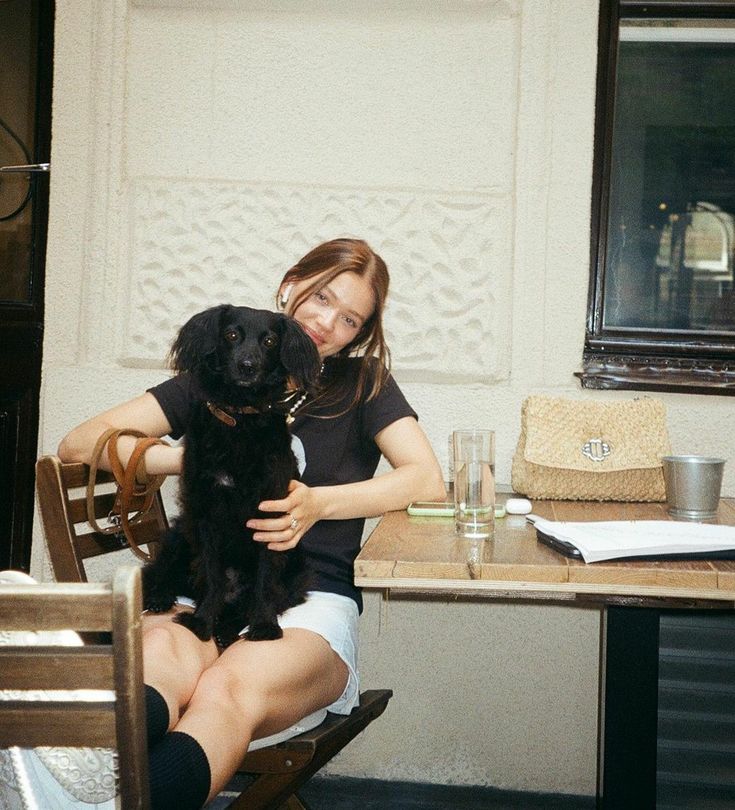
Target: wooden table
420	556
424	555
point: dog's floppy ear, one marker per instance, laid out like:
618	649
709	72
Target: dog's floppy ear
196	343
298	354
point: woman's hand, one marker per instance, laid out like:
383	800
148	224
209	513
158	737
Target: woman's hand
416	476
300	510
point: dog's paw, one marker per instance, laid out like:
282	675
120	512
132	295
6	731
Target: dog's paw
226	631
226	637
158	604
199	626
263	632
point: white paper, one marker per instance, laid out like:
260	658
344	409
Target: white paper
606	540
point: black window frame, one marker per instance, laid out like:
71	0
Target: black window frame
642	359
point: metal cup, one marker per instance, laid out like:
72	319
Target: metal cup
693	485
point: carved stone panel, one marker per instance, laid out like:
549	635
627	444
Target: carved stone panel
199	243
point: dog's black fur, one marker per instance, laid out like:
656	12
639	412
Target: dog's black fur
239	358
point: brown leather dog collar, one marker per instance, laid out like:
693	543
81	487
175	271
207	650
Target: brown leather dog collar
226	416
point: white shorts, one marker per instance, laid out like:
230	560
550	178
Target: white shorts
333	617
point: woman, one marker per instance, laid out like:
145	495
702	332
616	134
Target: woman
204	706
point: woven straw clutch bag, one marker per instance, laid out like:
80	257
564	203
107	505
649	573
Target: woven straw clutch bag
591	451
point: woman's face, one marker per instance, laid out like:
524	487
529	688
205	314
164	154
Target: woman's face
333	315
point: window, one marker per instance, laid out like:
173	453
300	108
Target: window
662	300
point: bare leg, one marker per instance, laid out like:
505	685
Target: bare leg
173	660
256	688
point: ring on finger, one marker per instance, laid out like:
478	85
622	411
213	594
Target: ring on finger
294	524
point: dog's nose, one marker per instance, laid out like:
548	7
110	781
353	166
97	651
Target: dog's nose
246	367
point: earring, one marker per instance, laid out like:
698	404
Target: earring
285	295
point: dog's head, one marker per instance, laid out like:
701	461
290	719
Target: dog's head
239	353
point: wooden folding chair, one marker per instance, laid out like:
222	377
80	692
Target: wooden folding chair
61	490
116	666
279	770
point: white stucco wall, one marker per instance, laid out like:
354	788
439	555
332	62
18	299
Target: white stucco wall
200	148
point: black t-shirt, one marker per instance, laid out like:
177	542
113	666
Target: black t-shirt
331	449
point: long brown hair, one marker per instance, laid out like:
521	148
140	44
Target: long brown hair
324	263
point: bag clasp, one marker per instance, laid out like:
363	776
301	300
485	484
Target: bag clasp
596	450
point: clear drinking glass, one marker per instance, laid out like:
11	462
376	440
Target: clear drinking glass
474	482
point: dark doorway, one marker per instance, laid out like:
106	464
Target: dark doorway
26	45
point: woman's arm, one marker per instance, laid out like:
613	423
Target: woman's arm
142	413
416	476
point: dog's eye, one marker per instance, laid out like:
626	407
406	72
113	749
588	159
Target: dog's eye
269	341
231	335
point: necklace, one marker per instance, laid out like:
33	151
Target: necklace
300	401
292	410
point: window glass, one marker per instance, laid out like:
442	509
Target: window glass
671	224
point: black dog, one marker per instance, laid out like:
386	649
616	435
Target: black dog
242	363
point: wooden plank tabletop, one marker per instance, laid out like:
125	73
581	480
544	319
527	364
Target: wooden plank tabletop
424	555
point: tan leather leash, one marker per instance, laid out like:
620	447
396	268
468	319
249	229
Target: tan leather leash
135	488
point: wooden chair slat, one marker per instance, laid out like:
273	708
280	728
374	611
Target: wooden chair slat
28	610
97	593
56	667
277	760
75	475
92	544
32	723
102	506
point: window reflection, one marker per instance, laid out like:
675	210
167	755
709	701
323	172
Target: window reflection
695	266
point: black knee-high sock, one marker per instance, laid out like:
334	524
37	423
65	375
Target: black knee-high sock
179	773
156	714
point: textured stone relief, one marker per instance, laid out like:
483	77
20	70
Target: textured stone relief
200	243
